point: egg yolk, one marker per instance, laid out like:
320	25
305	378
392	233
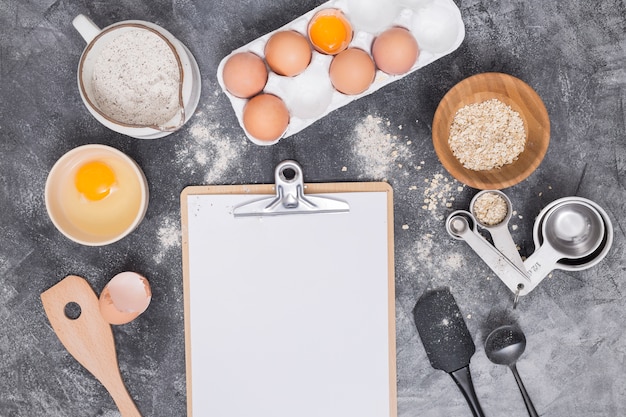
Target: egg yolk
94	180
330	33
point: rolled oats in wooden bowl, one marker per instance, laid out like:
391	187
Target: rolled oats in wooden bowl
491	131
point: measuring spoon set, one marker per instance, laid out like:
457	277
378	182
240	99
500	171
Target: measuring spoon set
571	233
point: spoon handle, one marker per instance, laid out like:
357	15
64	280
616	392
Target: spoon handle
503	240
529	404
459	227
463	379
88	338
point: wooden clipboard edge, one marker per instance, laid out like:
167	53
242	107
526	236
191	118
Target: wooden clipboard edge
310	188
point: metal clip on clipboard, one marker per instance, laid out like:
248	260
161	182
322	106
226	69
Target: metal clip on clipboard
290	197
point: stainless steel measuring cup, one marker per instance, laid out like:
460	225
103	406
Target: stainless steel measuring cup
571	229
572	233
499	231
589	260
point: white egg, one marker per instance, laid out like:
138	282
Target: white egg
372	15
435	28
415	4
309	94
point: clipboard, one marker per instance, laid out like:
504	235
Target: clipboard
289	311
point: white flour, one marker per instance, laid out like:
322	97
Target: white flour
207	150
169	236
382	149
136	79
376	148
211	149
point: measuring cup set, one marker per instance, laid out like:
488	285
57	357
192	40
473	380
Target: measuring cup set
571	233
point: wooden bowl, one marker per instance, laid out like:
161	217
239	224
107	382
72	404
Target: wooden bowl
521	98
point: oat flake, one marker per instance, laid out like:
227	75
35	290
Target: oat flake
487	135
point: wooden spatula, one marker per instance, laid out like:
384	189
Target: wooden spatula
88	338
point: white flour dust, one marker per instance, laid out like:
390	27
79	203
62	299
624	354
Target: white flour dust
454	261
378	152
377	149
211	150
384	150
422	256
418	256
169	237
423	248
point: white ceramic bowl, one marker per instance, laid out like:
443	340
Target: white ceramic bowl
96	223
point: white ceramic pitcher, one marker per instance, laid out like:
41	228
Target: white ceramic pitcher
189	85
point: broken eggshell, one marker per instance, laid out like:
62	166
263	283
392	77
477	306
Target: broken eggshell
125	297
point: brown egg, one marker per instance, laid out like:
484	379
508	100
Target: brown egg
244	74
352	71
395	51
125	297
288	53
265	117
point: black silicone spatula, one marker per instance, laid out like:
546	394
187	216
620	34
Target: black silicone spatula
447	341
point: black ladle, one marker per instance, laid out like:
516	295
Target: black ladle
504	346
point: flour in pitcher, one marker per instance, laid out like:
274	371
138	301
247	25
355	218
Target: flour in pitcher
136	79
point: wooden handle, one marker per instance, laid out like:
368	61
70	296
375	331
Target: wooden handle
89	337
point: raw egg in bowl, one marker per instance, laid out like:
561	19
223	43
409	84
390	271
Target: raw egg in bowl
95	195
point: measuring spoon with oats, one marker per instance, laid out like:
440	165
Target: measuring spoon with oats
492	210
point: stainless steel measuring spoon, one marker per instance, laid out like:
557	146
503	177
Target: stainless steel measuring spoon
461	225
571	230
482	206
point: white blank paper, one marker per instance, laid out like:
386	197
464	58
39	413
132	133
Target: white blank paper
289	315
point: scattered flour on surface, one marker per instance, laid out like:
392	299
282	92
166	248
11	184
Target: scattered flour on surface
169	237
211	150
419	256
424	249
376	148
454	261
382	152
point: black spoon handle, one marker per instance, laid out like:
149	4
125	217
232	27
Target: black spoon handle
463	380
529	404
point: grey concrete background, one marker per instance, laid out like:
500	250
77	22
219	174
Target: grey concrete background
572	53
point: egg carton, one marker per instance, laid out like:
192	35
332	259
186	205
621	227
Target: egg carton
436	24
